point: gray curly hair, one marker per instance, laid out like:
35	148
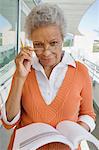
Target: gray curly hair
45	14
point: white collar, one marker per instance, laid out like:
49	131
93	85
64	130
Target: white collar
66	60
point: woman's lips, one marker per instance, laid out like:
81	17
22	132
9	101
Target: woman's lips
46	60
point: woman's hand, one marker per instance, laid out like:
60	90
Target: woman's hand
23	62
23	66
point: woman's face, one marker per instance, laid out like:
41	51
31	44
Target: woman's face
47	42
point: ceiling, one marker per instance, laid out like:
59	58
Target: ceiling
73	11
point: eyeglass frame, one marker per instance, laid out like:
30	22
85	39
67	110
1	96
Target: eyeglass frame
39	49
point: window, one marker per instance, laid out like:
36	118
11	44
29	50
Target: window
26	7
8	38
0	39
96	46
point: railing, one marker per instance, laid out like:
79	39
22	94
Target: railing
93	69
6	73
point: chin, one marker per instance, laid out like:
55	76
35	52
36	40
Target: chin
51	65
47	64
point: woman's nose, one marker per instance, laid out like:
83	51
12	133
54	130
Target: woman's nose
46	52
46	47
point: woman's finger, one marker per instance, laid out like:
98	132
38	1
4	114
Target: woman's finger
23	56
28	49
25	53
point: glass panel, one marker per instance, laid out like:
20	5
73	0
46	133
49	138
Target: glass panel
8	38
26	7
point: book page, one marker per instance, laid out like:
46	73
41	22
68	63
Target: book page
76	133
36	135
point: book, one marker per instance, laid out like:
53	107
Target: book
35	135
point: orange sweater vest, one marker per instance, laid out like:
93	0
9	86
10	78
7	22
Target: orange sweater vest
74	98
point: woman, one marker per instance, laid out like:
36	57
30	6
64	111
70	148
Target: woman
50	86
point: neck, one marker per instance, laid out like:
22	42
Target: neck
48	71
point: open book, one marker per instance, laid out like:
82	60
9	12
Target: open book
36	135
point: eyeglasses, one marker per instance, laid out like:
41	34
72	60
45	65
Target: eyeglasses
40	47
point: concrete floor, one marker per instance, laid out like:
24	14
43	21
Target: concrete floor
4	138
96	131
5	135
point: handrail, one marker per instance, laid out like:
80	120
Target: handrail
93	69
92	63
6	72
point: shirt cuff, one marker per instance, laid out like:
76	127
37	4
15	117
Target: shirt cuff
88	120
3	115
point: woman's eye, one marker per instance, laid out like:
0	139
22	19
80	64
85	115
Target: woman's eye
37	45
53	43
